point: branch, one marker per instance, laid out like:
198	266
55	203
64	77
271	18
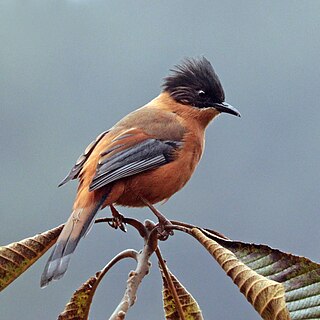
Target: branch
148	231
81	300
136	276
133	222
176	225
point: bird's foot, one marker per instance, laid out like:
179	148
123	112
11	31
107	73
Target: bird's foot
117	220
163	231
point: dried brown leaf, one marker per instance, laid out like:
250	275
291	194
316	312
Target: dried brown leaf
17	257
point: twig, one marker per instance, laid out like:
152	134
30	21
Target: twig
170	284
176	225
149	232
187	228
129	253
133	222
136	276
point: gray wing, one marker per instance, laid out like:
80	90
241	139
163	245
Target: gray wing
74	173
146	155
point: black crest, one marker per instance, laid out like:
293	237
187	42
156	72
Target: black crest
194	82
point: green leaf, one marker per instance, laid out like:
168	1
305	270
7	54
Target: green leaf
190	307
79	306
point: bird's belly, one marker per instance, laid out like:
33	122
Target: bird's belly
156	185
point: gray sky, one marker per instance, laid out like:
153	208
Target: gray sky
70	69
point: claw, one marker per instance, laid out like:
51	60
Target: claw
123	227
117	221
163	233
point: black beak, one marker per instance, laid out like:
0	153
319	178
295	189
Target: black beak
227	108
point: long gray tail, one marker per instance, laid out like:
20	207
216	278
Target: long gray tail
76	227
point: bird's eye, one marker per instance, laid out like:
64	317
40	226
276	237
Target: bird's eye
201	93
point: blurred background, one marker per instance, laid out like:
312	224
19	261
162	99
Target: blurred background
70	69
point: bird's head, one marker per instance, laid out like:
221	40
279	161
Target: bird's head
195	83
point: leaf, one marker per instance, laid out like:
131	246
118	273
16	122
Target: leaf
190	306
299	276
17	257
79	306
267	296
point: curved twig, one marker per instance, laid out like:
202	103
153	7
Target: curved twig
133	222
176	225
93	283
188	228
182	224
128	253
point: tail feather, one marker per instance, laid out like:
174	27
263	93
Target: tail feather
75	228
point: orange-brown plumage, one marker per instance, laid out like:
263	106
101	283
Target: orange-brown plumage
147	156
173	123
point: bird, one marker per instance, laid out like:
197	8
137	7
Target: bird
146	157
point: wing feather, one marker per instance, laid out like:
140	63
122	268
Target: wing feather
145	155
75	171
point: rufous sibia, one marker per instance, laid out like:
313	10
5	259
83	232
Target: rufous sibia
145	158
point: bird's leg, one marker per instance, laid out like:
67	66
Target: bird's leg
163	221
117	221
